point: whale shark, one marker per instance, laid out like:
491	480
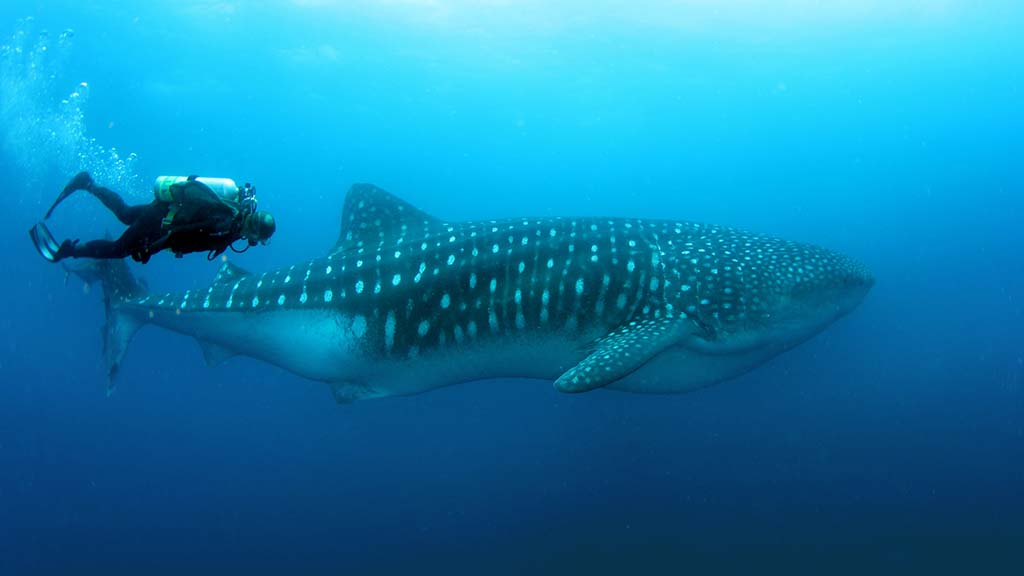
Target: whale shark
406	302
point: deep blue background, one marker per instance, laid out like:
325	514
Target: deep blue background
891	131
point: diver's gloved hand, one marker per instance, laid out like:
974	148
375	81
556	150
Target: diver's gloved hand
141	256
66	250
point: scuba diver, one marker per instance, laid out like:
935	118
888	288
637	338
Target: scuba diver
188	214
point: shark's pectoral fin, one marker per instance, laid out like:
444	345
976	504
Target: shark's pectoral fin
215	354
624	351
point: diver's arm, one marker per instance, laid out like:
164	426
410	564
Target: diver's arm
159	244
214	227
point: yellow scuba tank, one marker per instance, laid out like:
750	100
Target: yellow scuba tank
223	187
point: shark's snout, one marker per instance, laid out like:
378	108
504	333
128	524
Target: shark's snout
855	279
816	285
846	285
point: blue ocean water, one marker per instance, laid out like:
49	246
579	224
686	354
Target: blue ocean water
891	131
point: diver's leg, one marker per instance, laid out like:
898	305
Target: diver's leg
81	181
135	241
132	243
104	249
113	201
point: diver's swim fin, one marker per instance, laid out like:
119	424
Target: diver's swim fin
81	181
44	242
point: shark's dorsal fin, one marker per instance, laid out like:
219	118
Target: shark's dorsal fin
624	351
229	273
371	214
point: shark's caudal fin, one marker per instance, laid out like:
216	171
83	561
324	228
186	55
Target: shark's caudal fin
118	285
371	214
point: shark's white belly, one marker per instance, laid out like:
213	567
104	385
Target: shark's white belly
315	344
679	369
543	358
694	363
683	369
325	345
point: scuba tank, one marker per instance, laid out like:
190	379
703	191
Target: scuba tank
244	197
225	188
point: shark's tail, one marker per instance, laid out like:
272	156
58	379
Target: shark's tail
119	285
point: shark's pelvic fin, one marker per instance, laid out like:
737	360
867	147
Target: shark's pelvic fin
624	351
348	392
215	354
371	215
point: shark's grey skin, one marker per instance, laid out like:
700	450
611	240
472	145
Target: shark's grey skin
406	303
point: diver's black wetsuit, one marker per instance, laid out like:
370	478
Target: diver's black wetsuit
202	222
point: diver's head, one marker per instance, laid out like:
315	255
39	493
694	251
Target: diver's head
258	227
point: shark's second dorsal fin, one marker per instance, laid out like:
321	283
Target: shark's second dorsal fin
229	273
371	215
